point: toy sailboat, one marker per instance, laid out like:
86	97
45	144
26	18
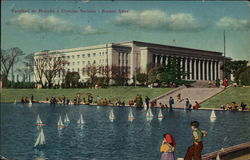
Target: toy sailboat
30	103
15	102
66	119
145	106
213	116
160	116
80	121
60	123
39	121
40	141
130	115
149	114
111	116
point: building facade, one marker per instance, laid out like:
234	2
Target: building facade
134	57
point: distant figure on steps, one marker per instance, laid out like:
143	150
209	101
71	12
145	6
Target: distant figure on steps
167	147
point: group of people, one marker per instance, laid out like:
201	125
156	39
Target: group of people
27	100
193	152
234	106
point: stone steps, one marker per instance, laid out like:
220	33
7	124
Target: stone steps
193	94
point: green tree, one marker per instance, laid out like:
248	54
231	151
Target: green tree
231	67
172	72
72	79
142	78
152	74
244	76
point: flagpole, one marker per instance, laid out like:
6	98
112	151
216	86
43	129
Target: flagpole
224	68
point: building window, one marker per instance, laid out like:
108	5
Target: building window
68	70
78	63
73	57
78	70
100	53
68	63
83	62
94	54
88	62
103	53
89	55
73	63
73	69
94	62
83	55
68	57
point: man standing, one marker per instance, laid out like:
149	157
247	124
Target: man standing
147	99
195	150
171	102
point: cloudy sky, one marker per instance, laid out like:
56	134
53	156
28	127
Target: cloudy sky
48	25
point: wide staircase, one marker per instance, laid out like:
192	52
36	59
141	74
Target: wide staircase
197	92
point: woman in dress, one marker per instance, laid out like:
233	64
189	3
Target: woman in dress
167	147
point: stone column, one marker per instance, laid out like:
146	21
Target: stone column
190	68
211	68
215	70
205	69
208	69
161	59
186	68
195	69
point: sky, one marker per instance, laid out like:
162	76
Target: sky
48	25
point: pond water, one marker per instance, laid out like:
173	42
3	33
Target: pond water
100	139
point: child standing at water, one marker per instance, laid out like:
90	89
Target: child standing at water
195	150
167	147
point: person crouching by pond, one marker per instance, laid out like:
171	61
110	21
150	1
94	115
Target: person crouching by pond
196	105
167	147
194	151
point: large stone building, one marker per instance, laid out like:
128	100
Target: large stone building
140	57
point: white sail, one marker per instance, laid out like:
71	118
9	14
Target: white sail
40	139
145	106
38	120
80	121
98	107
213	116
111	115
130	115
30	103
15	102
60	123
160	116
218	157
149	113
66	119
70	103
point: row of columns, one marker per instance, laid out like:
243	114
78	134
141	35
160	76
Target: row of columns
195	68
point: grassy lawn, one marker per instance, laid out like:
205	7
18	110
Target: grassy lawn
122	93
237	94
